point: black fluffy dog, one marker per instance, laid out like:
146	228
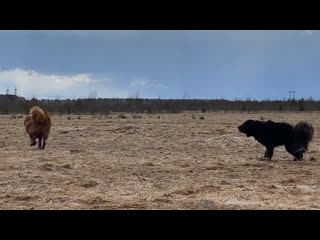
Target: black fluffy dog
272	134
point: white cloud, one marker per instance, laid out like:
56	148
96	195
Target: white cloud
30	83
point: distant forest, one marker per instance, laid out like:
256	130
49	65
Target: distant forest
14	104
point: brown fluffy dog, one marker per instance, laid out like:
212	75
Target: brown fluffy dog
38	125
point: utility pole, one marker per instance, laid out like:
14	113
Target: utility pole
15	91
7	91
293	93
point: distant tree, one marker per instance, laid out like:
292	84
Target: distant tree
301	104
79	105
134	95
280	108
134	101
14	104
93	94
34	101
67	106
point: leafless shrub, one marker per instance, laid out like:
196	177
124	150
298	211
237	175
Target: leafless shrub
122	116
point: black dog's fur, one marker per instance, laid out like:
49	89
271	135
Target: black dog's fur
272	134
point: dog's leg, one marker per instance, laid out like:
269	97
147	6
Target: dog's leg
300	151
44	143
45	137
33	141
40	142
296	150
269	152
298	155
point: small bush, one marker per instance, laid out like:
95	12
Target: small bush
280	108
202	117
134	116
301	108
5	111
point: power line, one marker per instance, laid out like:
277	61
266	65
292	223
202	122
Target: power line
293	94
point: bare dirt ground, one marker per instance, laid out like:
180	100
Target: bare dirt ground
175	162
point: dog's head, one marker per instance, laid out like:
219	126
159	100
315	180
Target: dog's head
248	127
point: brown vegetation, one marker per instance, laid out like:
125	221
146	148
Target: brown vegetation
174	162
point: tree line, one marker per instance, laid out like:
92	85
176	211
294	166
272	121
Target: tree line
14	104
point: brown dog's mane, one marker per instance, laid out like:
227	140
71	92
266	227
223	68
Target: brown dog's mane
28	118
39	115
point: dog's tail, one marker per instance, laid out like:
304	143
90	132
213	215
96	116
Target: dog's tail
303	133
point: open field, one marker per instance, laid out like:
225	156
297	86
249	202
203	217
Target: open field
175	162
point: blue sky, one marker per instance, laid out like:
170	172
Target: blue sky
167	64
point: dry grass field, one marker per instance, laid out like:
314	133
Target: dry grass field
166	161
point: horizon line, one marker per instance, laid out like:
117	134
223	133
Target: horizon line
140	98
